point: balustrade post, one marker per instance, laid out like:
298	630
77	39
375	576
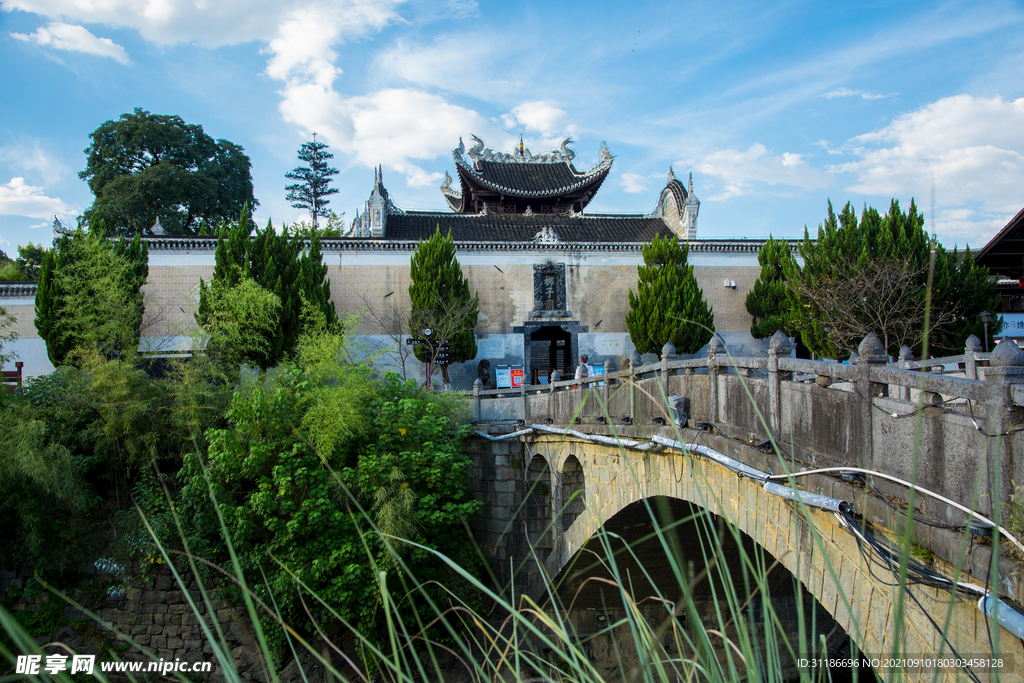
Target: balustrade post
971	350
556	376
609	368
1006	368
476	398
668	354
870	354
526	403
906	356
778	346
715	348
635	361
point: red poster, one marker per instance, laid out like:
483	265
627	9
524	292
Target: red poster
517	377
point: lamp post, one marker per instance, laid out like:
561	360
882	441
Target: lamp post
985	317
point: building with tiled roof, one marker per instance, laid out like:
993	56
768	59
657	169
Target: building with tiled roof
552	278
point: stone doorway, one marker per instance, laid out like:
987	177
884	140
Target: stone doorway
550	348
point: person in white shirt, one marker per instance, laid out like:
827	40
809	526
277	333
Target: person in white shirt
584	369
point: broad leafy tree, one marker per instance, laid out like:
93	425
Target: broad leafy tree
767	301
668	305
441	301
872	275
282	265
314	179
145	167
89	299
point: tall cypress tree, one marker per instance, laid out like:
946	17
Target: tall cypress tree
89	297
668	304
441	300
767	301
280	264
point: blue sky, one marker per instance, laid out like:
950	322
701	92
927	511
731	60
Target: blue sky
775	110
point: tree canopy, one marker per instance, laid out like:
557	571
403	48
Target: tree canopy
145	167
281	265
89	297
314	180
441	301
872	275
767	301
668	305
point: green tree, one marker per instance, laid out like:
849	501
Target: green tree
441	302
145	167
314	180
89	297
10	271
7	336
240	324
283	265
767	301
668	306
871	275
30	257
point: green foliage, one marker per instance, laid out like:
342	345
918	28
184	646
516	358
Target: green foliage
314	180
291	495
30	257
145	167
894	245
767	301
7	336
280	264
668	304
84	434
89	297
240	323
441	300
11	271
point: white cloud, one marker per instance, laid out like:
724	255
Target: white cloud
19	199
864	95
542	117
634	183
32	161
741	169
973	148
74	38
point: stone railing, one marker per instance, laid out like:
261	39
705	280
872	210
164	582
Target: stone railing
956	435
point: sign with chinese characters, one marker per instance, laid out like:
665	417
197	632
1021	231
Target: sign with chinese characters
1013	324
608	345
549	287
517	375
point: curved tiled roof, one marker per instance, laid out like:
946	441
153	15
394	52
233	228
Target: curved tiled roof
17	289
528	180
416	225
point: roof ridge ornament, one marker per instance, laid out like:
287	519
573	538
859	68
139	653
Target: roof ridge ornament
520	153
547	236
672	174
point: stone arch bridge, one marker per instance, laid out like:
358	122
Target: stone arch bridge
547	490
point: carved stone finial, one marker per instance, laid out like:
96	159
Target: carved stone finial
779	341
605	154
973	344
1007	354
668	350
556	376
609	366
871	349
906	353
635	360
461	149
671	174
717	343
565	151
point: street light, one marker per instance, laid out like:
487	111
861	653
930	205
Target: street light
985	317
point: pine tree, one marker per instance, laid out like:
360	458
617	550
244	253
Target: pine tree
89	297
767	301
871	275
668	304
441	301
314	178
280	264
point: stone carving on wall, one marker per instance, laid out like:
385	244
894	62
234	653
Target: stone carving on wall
549	290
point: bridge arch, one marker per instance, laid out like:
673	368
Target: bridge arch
812	544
